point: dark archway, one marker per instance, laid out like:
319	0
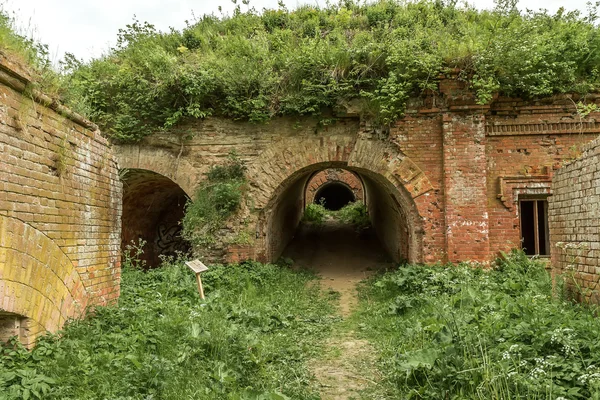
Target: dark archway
153	207
391	210
334	196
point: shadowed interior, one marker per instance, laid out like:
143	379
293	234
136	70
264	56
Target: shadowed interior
392	213
334	196
153	207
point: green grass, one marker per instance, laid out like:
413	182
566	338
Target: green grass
459	332
354	213
442	332
249	340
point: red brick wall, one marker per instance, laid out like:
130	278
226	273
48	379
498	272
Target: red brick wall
464	181
526	143
456	169
419	136
60	208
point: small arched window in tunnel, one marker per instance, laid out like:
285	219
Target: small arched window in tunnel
153	207
334	196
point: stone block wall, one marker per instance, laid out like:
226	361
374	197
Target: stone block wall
60	210
574	221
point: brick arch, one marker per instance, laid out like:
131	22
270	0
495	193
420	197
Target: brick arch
37	280
153	207
166	161
284	158
321	179
382	166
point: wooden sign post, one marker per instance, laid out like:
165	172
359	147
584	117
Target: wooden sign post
198	268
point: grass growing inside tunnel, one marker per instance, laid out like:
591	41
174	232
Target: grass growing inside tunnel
249	340
354	213
459	332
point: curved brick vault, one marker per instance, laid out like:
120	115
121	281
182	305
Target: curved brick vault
331	177
38	281
392	182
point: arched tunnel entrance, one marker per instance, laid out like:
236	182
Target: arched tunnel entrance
342	254
334	196
153	206
394	218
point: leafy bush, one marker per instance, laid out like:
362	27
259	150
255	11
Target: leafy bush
250	339
315	213
217	198
258	65
354	213
464	332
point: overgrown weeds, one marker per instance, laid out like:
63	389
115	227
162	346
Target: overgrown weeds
463	332
217	198
315	213
258	64
354	213
249	340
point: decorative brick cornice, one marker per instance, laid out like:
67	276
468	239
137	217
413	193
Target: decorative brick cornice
542	128
511	187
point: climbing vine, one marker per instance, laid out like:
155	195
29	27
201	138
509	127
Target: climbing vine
217	198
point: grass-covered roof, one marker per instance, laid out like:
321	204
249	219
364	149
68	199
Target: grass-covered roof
254	65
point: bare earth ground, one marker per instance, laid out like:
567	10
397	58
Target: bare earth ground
342	257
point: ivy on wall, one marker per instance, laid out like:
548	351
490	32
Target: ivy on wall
217	198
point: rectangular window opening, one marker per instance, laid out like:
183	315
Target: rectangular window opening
534	227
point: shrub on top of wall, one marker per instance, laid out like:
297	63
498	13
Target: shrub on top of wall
217	198
255	65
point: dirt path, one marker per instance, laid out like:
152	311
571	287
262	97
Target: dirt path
342	257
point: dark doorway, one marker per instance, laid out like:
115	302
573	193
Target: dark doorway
334	196
153	206
534	227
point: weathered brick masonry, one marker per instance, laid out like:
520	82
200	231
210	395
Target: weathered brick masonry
60	210
334	175
443	184
574	213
